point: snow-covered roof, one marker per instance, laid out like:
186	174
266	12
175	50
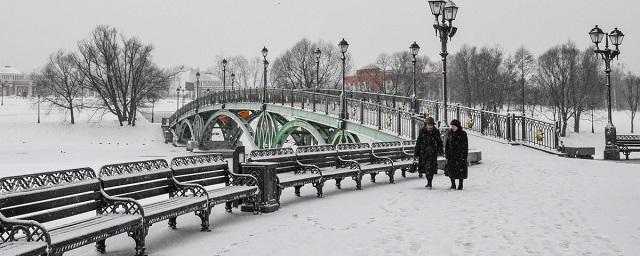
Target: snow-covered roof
10	70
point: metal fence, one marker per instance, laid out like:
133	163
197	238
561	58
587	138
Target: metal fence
390	113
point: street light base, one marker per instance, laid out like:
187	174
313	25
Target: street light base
611	151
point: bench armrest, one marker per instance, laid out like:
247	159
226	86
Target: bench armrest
381	159
345	163
23	230
303	168
119	205
243	179
187	189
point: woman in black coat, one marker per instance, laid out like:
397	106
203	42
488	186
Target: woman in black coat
457	150
428	147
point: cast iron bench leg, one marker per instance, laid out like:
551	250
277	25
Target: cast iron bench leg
373	177
101	246
172	223
227	206
318	187
338	183
204	217
358	179
404	173
391	173
139	236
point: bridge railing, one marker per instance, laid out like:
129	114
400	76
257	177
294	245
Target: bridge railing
390	113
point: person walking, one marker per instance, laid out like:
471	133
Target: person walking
428	148
456	150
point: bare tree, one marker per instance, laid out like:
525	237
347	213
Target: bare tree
558	74
525	65
587	93
296	67
59	82
120	70
383	62
632	95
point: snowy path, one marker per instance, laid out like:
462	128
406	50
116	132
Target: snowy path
517	202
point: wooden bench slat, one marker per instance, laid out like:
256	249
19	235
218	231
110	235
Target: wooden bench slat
62	212
50	204
134	187
23	197
118	180
137	195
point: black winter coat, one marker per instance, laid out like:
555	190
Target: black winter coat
428	147
457	150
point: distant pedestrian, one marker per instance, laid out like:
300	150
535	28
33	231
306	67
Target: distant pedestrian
457	150
428	148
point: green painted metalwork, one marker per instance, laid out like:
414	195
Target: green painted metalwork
340	136
266	130
288	128
241	123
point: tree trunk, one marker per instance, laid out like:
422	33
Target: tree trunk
73	120
576	122
633	116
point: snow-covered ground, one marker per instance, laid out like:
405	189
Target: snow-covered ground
518	201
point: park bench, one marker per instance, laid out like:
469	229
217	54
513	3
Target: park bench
628	144
324	159
409	148
289	172
65	201
395	151
211	171
152	178
368	162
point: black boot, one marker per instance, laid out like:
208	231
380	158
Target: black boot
429	180
453	184
460	184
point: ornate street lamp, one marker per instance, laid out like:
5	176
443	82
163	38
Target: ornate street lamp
266	64
448	10
177	98
317	52
611	150
38	108
344	46
414	48
224	77
197	84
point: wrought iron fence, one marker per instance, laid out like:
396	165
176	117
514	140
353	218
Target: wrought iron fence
389	113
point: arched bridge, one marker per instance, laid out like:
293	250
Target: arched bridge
269	118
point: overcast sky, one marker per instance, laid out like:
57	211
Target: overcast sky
192	33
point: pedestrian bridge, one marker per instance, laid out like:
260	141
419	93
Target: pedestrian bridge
269	118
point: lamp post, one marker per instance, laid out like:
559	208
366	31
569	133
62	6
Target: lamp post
318	53
344	46
224	78
414	48
177	98
153	106
611	150
266	64
197	84
448	10
38	108
1	94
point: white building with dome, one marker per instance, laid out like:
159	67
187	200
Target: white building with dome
14	82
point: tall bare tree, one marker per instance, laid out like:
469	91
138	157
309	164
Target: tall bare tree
296	68
383	62
120	70
525	65
632	95
59	82
558	75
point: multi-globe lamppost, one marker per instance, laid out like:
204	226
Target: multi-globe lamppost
177	98
266	64
197	84
610	151
448	10
344	46
233	78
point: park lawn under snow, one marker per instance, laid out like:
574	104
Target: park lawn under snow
518	201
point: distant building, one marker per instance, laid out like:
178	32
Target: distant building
15	82
369	79
186	79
